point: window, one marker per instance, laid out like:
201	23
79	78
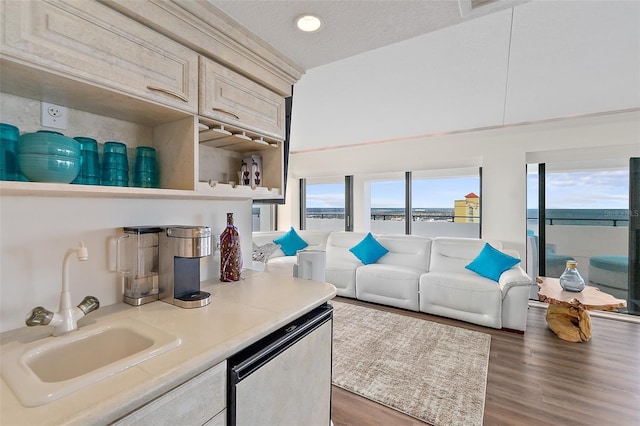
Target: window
387	201
442	203
263	217
325	201
446	203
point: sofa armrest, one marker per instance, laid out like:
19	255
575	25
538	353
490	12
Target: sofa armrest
513	277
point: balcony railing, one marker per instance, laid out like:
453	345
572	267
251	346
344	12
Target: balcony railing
581	221
396	217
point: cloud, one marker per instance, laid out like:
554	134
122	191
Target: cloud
325	200
600	189
387	202
614	179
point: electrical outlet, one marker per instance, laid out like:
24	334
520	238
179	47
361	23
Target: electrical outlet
54	116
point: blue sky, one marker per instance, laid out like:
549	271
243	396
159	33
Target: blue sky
606	189
435	193
587	190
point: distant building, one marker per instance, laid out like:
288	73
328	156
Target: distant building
467	210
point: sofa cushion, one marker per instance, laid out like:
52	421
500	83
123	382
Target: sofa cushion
343	276
340	269
412	251
282	265
491	263
388	284
291	242
369	250
463	295
450	254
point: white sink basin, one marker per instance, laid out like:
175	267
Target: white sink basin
42	371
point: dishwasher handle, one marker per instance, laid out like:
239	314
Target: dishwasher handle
255	356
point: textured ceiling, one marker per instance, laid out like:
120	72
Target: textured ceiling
350	26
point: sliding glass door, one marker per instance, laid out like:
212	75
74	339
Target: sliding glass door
580	211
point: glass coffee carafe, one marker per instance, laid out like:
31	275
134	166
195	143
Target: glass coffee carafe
137	254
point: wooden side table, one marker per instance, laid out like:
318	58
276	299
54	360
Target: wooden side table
568	312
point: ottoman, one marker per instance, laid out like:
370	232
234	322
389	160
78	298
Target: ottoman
610	274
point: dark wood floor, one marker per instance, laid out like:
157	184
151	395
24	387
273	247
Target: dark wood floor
536	378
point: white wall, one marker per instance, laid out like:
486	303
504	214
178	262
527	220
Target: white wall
446	80
539	60
35	232
471	95
502	153
573	57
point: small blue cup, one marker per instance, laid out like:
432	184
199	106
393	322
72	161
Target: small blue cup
115	164
9	168
89	162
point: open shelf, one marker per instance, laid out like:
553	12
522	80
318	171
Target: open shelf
69	190
231	138
236	191
204	190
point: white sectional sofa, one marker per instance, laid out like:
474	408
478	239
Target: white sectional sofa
419	274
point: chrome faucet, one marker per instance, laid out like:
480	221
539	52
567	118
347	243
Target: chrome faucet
65	320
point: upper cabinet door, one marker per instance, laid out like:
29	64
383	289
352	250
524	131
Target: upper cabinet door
231	98
89	42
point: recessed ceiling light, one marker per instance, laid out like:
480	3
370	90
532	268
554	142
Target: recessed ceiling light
308	23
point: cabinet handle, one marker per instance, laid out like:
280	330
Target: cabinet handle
168	92
226	112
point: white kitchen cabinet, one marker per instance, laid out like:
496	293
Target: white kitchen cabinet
231	98
91	58
219	420
93	43
201	27
199	401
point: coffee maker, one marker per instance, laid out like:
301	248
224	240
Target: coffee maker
181	248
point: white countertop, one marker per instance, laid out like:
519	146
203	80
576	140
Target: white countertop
239	314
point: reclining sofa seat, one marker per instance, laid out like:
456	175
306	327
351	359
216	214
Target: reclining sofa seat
451	290
393	280
341	264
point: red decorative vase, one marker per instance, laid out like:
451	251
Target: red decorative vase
230	257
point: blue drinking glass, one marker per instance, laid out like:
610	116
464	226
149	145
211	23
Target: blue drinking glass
146	173
9	169
89	162
115	164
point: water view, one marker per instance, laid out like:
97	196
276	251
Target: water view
386	213
582	217
577	217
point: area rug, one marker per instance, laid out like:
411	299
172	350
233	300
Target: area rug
434	372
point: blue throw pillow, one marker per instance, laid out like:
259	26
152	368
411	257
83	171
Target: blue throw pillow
369	250
491	263
291	242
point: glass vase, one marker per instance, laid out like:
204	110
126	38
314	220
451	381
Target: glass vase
571	280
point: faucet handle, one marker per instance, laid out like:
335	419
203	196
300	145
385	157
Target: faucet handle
89	304
38	316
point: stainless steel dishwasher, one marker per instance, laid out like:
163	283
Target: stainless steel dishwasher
285	378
